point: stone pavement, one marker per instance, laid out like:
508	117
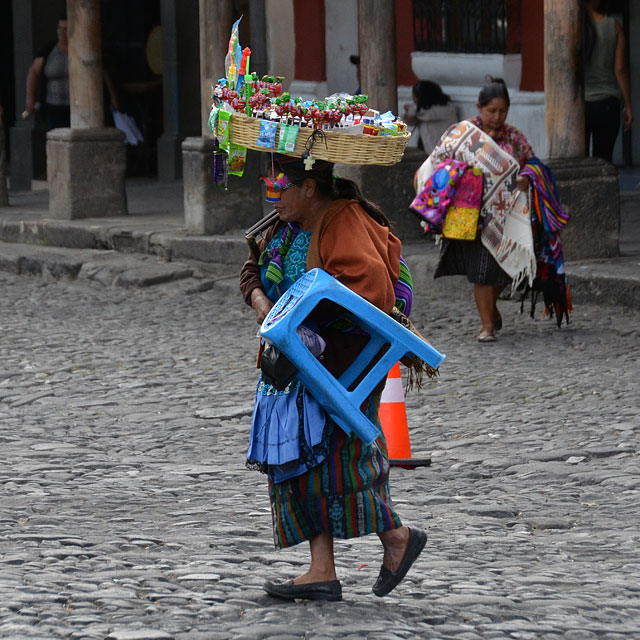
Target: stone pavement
126	512
32	243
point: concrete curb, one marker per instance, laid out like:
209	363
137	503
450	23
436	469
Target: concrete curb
606	282
169	241
109	268
163	251
611	282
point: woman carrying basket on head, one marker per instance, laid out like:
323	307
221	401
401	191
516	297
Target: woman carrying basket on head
333	486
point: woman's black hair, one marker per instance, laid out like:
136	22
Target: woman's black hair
328	185
344	188
429	93
493	88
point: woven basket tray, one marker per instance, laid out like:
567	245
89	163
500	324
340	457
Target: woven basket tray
342	148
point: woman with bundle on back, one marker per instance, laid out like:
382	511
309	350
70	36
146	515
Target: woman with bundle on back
499	151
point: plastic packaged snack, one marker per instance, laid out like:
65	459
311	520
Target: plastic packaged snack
220	169
234	57
222	132
237	159
267	136
288	137
213	119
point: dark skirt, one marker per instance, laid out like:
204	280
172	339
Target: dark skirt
471	259
346	495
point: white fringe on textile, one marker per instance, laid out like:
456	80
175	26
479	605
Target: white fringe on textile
515	253
528	272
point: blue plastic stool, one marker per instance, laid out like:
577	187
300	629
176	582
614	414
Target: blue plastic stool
343	405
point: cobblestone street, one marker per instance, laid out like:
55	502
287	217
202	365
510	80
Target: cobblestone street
126	511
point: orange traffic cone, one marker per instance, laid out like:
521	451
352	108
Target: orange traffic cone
393	418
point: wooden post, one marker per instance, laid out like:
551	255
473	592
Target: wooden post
215	28
85	64
377	48
563	79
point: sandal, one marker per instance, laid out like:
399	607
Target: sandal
486	336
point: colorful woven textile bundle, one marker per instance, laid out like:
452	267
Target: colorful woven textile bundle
403	289
547	219
506	226
434	198
273	256
461	221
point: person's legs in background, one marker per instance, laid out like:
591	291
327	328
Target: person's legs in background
486	296
602	124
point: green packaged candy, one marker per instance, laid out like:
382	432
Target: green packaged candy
288	137
222	134
213	119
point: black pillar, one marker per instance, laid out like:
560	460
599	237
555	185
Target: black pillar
34	25
258	37
180	83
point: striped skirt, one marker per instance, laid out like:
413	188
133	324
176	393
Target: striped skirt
346	495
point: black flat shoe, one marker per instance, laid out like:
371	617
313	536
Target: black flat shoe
388	580
497	323
330	590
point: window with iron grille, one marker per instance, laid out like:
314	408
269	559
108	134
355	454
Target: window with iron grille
467	26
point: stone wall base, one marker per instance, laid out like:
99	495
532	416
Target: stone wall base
27	157
86	172
169	157
590	193
209	210
588	190
391	188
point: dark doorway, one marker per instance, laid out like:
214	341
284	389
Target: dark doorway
132	54
7	80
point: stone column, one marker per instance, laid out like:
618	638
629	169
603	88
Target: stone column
377	46
563	79
588	187
86	163
209	210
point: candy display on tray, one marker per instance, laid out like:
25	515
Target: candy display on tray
264	99
280	121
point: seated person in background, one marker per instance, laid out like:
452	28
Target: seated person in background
432	111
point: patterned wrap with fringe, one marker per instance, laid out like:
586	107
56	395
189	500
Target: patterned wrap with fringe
506	228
